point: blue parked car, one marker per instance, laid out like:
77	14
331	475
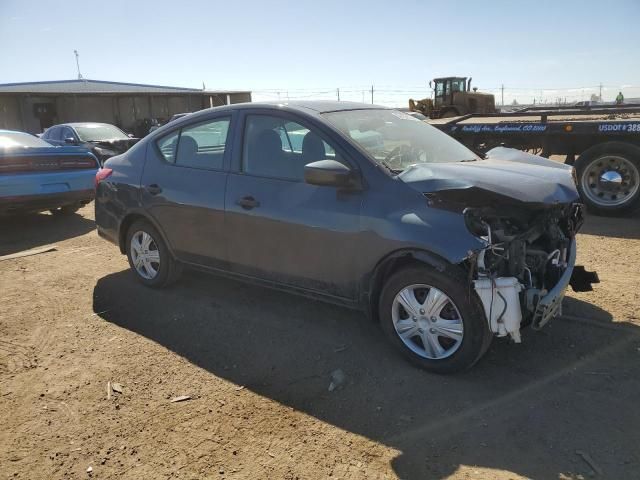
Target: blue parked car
37	176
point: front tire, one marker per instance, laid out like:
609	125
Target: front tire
434	319
149	257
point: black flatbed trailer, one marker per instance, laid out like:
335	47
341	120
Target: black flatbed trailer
602	143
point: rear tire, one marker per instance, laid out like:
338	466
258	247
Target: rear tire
619	160
447	310
149	258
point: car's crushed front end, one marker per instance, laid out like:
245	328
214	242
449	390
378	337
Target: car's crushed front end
523	273
527	214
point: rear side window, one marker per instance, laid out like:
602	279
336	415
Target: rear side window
168	146
202	145
197	146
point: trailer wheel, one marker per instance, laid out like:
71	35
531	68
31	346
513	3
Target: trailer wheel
609	178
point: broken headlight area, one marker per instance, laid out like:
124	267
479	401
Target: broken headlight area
522	274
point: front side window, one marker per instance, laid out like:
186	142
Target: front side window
439	89
53	133
67	133
397	140
280	148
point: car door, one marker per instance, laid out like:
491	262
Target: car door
280	228
183	188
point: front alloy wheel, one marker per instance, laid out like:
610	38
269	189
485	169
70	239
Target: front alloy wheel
434	318
427	321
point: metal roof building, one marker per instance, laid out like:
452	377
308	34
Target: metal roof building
34	106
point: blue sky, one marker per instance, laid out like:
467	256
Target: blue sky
542	48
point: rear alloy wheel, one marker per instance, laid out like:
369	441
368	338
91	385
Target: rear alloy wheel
609	178
435	321
149	257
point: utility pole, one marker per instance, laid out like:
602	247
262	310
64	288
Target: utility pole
502	101
371	94
338	93
78	63
600	91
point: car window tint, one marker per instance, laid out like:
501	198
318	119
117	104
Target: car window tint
167	146
278	148
53	133
67	133
202	145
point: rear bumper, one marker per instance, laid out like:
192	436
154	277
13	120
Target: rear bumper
45	190
41	202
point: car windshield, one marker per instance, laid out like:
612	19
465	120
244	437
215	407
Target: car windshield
18	140
397	140
98	132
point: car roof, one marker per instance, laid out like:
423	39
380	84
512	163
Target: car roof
309	107
81	124
324	106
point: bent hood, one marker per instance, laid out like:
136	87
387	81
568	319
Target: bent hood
482	182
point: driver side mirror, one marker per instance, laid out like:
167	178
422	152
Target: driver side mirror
329	173
70	140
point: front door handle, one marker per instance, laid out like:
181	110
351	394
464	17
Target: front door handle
248	202
153	189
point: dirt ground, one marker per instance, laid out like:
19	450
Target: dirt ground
257	365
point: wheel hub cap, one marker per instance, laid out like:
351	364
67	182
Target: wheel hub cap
145	255
610	180
427	321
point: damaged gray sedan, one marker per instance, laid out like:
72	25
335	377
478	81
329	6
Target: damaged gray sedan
357	205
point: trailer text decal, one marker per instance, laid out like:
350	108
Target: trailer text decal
505	128
619	127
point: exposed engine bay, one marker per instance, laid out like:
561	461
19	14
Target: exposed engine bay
529	254
526	211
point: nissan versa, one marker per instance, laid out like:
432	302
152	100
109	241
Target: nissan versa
355	204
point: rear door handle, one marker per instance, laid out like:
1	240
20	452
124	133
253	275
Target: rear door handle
248	202
153	189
